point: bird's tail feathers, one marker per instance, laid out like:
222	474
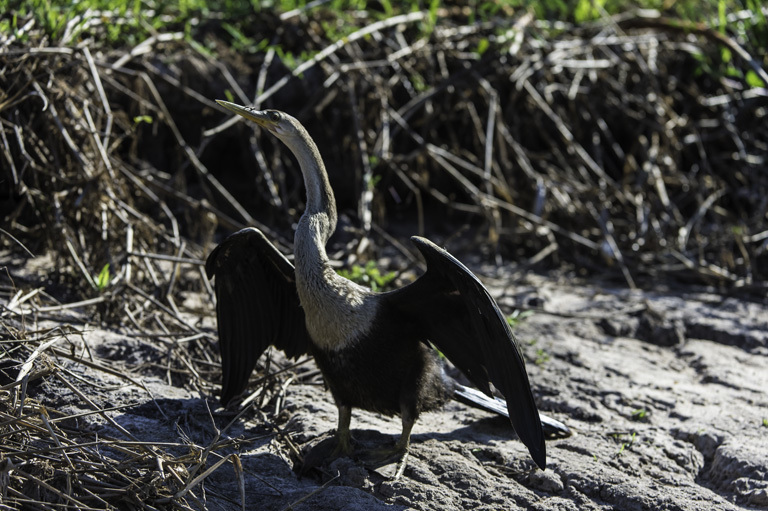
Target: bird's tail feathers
473	397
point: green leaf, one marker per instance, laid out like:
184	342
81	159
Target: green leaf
725	54
142	118
753	80
482	46
582	11
721	16
518	316
431	21
102	281
374	179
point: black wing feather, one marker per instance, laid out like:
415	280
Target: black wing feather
256	306
464	322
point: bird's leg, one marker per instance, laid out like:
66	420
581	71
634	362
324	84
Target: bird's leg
338	446
329	449
343	436
399	453
404	444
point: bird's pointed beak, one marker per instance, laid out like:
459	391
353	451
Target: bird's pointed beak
249	113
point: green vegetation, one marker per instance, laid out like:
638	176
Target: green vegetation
369	275
517	317
640	414
542	357
130	21
102	280
119	23
142	119
624	445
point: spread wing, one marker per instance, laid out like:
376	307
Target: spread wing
463	321
256	306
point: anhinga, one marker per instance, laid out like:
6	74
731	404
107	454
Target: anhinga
373	349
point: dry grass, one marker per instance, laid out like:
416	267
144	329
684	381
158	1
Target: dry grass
51	459
605	148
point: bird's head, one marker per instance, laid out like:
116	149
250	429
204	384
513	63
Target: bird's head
280	124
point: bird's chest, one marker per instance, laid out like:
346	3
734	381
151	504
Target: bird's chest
337	314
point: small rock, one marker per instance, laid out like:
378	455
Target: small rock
546	481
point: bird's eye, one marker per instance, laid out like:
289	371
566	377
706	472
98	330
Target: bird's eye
274	116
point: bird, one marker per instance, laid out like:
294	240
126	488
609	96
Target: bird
376	351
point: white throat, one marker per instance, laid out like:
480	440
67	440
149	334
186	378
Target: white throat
338	312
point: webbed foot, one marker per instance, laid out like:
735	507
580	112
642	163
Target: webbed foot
326	450
337	446
381	459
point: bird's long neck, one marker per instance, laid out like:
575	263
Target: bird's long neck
336	310
318	222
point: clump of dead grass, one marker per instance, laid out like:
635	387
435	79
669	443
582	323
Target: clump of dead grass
51	459
611	145
54	454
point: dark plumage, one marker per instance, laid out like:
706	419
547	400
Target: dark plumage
372	348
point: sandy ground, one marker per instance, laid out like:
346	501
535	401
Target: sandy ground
665	392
